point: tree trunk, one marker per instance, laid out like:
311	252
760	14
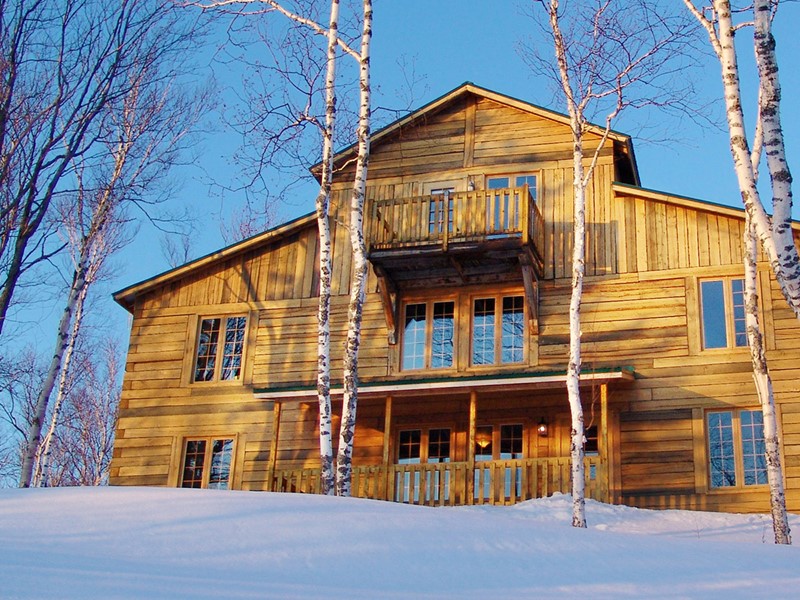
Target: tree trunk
763	382
323	225
358	288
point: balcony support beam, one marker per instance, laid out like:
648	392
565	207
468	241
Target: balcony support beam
531	284
388	293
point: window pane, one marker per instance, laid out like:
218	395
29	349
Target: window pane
207	350
713	306
513	329
497	183
443	329
483	332
221	453
414	337
753	457
483	443
511	441
409	446
193	464
591	448
720	449
739	326
439	445
530	180
234	343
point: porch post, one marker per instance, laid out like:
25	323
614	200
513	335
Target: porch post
273	445
473	412
385	487
603	441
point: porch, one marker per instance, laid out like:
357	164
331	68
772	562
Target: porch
494	440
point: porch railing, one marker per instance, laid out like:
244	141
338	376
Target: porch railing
455	483
454	217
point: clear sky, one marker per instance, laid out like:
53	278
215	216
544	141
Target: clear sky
452	41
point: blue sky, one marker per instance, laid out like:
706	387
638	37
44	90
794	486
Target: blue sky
452	41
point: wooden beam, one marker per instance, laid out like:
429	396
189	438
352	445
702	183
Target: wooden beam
469	132
531	283
387	430
473	414
605	455
388	293
273	445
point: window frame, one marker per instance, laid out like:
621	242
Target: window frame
738	452
512	181
499	300
729	309
424	444
207	460
430	311
220	349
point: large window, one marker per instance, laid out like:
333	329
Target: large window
511	448
506	181
492	344
220	345
736	448
722	308
428	335
417	446
207	463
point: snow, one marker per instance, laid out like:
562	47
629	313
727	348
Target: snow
170	543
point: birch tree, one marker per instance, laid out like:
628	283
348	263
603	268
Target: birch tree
136	142
608	56
302	14
773	235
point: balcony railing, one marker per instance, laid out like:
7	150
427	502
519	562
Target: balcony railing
445	219
455	484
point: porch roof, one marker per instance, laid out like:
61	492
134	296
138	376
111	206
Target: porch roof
517	381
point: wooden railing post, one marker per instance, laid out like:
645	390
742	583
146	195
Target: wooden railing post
273	446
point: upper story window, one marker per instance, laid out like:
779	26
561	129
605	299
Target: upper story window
498	328
207	463
507	181
428	335
220	345
722	313
736	453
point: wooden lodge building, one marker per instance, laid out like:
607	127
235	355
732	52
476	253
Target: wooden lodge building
465	336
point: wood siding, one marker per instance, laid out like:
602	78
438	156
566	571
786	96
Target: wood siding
646	254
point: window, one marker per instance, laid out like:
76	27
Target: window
219	357
722	309
441	206
736	448
511	448
493	345
498	183
428	334
417	446
207	463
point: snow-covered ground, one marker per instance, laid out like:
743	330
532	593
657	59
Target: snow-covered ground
94	543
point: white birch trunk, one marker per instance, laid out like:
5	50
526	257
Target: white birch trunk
782	256
34	437
780	176
323	226
359	282
578	268
763	382
44	455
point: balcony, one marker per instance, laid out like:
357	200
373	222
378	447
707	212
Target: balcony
457	483
463	237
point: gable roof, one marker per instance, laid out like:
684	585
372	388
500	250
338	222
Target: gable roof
469	88
126	296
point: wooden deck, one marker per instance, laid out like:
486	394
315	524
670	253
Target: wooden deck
467	232
503	482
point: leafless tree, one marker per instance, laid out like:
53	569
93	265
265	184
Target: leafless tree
62	62
609	56
774	234
136	140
